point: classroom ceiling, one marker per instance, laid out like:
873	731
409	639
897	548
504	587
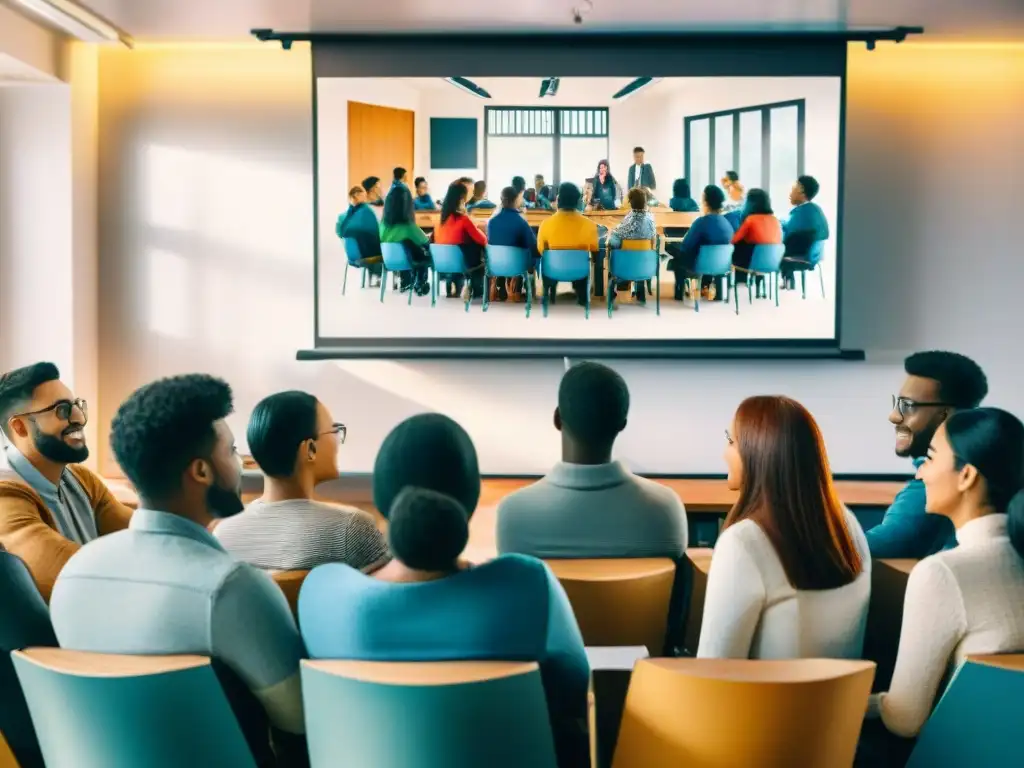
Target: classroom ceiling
220	19
14	72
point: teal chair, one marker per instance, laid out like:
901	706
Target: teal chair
634	267
396	259
977	721
566	266
454	714
765	261
447	260
353	258
714	261
511	262
96	710
810	264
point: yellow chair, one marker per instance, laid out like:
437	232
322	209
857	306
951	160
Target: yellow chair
290	583
619	602
7	759
725	713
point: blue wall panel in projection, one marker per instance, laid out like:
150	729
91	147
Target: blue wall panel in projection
453	142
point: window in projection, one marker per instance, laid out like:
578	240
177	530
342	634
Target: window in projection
725	158
699	156
750	149
525	156
783	154
579	159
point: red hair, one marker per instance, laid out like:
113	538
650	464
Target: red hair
788	491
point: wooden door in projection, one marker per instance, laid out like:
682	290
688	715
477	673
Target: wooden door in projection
379	140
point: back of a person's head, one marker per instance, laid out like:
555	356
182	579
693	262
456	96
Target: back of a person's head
453	198
398	206
732	176
165	425
568	196
509	197
810	186
758	202
637	199
962	383
787	490
714	197
427	451
17	388
370	182
399	174
480	189
680	188
278	425
427	530
593	403
518	183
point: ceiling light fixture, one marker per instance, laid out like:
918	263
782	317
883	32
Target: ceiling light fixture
639	84
75	20
468	86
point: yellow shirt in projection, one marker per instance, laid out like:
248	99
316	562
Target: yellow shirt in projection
567	231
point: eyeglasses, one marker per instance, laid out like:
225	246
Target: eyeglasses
337	429
906	406
62	409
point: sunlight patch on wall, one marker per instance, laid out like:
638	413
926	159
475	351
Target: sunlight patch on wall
168	298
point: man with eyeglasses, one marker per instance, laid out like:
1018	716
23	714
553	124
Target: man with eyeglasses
50	505
294	440
937	384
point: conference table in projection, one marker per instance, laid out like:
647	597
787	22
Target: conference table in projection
664	218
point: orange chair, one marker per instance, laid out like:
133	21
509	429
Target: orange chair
619	602
723	713
290	583
7	759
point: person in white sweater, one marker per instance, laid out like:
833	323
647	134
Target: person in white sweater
790	575
968	600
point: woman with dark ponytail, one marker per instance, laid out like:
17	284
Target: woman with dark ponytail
967	600
427	604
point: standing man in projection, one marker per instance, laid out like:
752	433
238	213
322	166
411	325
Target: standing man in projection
641	174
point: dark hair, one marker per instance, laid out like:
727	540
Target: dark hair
1015	521
418	180
427	451
788	491
593	402
427	530
732	176
637	199
538	177
278	425
370	182
17	387
518	183
398	207
479	190
637	149
399	173
163	426
597	172
509	195
680	188
464	180
810	185
758	202
962	383
714	197
453	198
568	196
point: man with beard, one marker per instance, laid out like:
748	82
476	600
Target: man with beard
49	505
937	384
166	586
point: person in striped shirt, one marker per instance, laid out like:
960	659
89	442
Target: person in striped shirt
294	440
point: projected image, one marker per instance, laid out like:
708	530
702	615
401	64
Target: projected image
578	208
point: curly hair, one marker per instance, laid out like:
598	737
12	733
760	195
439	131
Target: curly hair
164	426
962	383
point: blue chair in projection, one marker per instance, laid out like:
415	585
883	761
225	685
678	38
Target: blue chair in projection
396	259
634	267
567	267
765	261
354	258
509	262
94	709
449	714
810	264
447	260
714	261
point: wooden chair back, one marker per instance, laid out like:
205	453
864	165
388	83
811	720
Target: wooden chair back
290	583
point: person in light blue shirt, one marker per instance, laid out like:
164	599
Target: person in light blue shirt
937	385
427	604
165	585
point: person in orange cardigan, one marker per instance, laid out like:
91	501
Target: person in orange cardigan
49	505
759	227
457	228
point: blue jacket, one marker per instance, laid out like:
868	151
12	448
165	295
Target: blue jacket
423	203
805	226
713	229
683	204
508	227
360	224
907	530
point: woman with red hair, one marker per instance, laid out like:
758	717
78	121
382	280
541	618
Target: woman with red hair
791	574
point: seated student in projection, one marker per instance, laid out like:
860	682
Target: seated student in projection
519	185
398	225
374	196
360	224
568	230
790	576
399	177
508	227
759	227
805	227
681	200
710	229
479	197
423	201
457	228
735	192
635	231
604	192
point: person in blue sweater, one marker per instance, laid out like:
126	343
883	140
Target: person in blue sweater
681	200
712	228
938	384
360	223
805	227
428	604
508	227
479	197
422	200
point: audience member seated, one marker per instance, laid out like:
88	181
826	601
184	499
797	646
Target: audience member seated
400	175
937	385
637	225
457	228
373	194
398	225
479	197
758	227
508	227
790	575
968	600
805	226
589	505
166	586
294	440
734	192
427	604
710	229
546	197
604	191
50	505
681	200
423	201
468	184
568	230
519	185
360	224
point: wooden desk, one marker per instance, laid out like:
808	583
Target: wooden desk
663	217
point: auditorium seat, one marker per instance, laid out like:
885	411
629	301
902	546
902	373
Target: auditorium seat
457	714
94	709
290	583
977	719
619	602
721	713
